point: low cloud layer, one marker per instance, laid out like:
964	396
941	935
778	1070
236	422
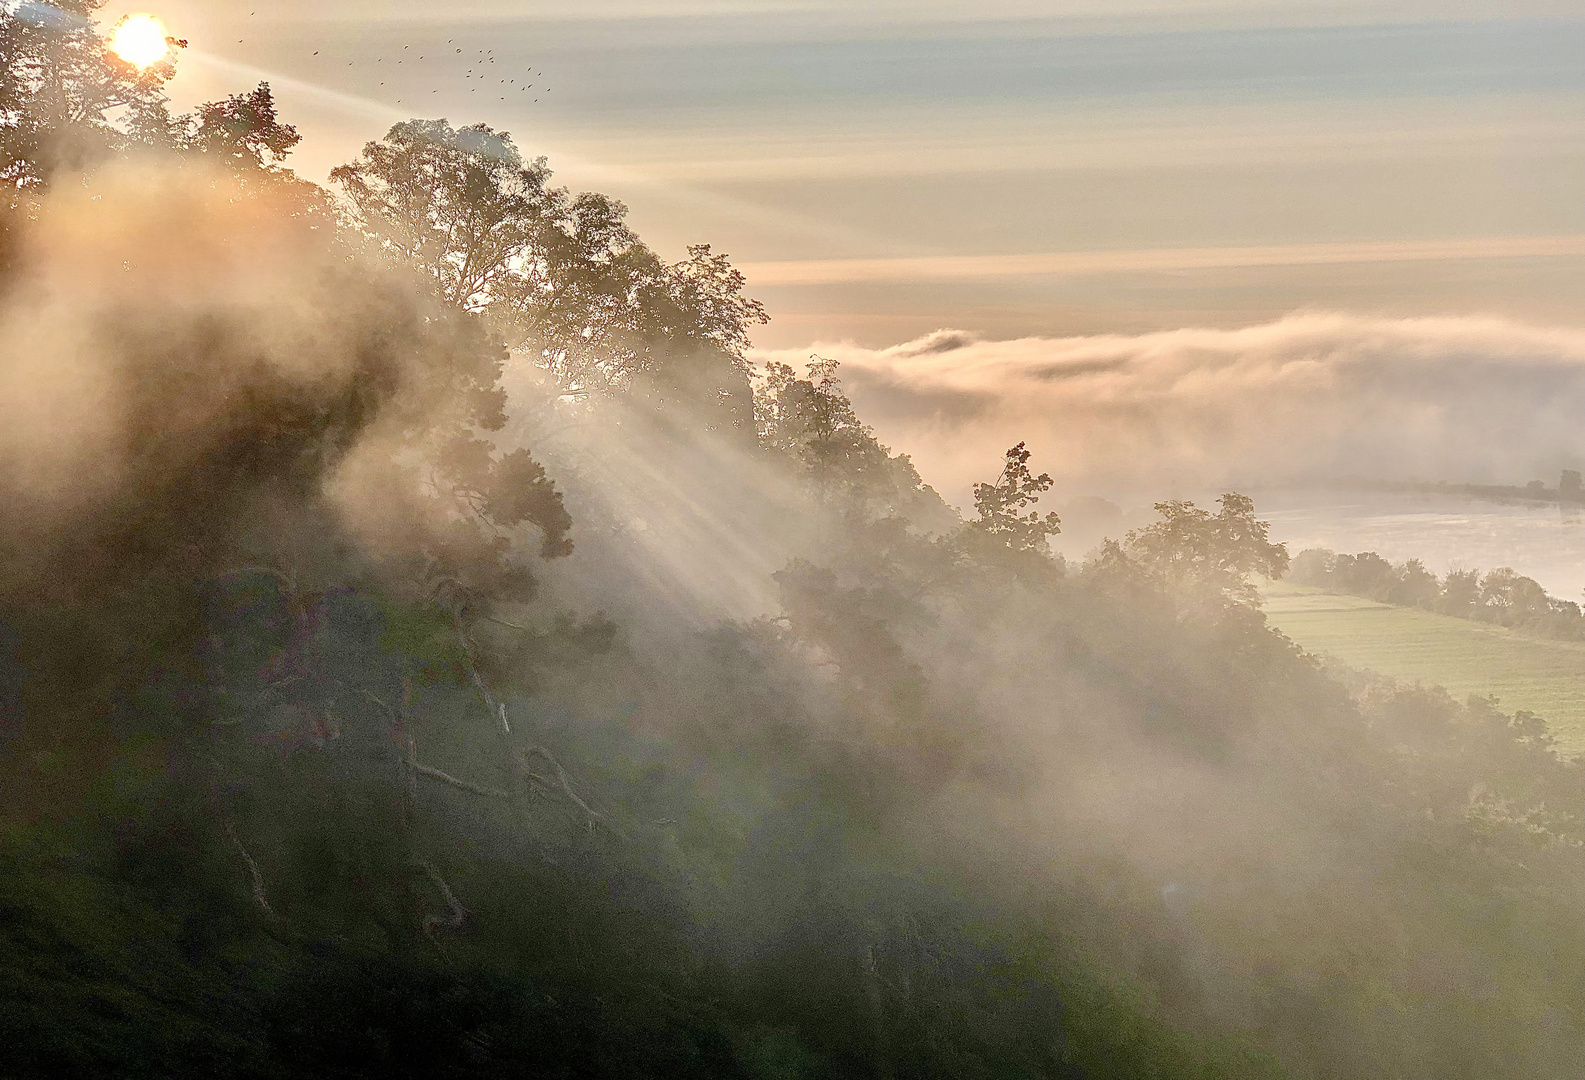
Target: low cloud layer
1309	398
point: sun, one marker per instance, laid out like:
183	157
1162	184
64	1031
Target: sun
140	40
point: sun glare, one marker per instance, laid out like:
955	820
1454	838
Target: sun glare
140	40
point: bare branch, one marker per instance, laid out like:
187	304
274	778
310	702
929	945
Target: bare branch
389	711
565	785
459	914
433	773
253	871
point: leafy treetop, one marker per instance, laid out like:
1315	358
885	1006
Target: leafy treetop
1000	506
562	276
1192	549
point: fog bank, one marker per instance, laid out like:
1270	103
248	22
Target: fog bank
1313	397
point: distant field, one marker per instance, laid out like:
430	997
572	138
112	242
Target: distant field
1545	677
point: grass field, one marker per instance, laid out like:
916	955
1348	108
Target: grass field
1545	677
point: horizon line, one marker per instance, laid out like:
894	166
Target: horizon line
903	269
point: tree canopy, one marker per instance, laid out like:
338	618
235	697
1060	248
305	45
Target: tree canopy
59	83
1000	517
561	276
1196	553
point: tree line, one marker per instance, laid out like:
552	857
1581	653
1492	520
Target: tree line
1500	596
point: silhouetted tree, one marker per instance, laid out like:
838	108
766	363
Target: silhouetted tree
58	82
1414	586
812	422
1568	486
459	204
1190	549
1460	594
243	130
999	507
563	277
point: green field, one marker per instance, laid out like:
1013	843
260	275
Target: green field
1545	677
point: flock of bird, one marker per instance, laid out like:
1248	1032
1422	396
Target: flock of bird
481	62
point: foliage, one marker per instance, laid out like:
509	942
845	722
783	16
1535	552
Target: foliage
1499	596
1196	553
243	130
562	275
999	507
57	83
811	422
461	205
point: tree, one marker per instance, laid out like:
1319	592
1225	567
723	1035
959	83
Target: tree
812	422
1461	594
999	507
562	277
1313	566
1568	486
1511	599
1415	586
1365	574
459	204
68	104
58	84
243	130
1190	550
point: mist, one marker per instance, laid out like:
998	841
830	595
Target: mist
416	669
1311	398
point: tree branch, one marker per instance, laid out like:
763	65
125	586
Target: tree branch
256	878
433	773
565	785
459	914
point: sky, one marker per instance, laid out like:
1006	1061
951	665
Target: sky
1010	168
1171	244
